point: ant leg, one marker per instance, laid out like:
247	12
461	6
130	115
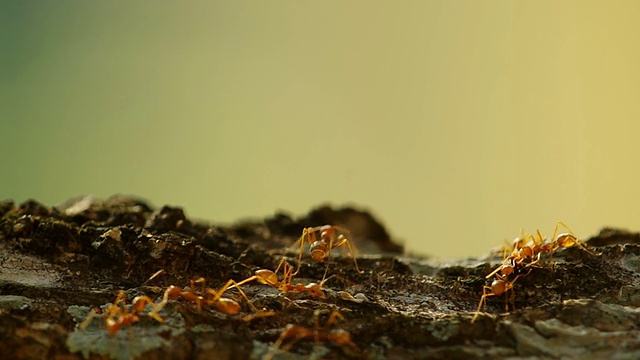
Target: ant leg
171	291
155	275
301	241
217	295
576	241
307	234
287	276
560	223
287	272
288	330
343	241
506	301
85	323
283	262
249	279
326	270
535	262
202	281
510	287
332	318
496	270
483	300
258	315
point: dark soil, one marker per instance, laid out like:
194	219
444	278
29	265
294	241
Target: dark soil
58	263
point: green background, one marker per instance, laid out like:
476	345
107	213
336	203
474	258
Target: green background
456	122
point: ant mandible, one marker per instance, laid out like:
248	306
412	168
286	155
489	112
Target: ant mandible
331	237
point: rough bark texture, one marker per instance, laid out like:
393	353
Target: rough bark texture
56	264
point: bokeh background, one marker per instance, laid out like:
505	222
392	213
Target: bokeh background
456	122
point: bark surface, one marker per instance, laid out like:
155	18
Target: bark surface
57	264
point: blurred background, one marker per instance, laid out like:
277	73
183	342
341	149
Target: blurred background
455	122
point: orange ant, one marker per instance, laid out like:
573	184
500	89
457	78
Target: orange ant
268	277
297	333
527	248
331	237
206	297
501	285
118	315
521	253
566	239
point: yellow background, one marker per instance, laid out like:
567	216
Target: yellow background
456	122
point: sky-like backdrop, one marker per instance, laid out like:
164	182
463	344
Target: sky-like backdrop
456	122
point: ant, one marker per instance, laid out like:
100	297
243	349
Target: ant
501	285
331	237
521	253
268	277
566	239
206	297
526	252
118	315
297	333
530	248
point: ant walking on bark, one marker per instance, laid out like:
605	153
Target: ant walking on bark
297	332
331	237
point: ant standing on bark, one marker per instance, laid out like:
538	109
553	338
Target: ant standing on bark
118	314
297	332
331	237
526	253
206	296
268	277
501	285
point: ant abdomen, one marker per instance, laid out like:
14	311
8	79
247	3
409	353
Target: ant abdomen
318	250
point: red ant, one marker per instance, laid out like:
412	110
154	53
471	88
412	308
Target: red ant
206	297
526	252
501	285
297	333
527	247
268	277
566	239
118	315
522	253
331	237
